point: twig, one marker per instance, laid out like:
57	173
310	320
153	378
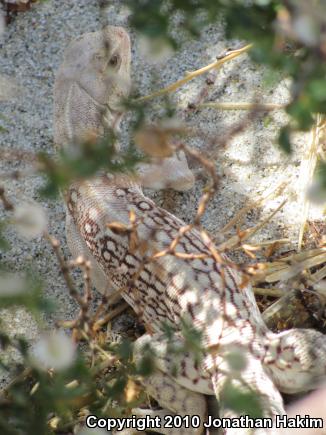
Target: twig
16	174
274	292
285	270
82	321
210	190
110	316
86	266
242	106
259	245
238	217
319	275
191	75
203	93
23	375
245	234
21	155
293	265
5	201
65	269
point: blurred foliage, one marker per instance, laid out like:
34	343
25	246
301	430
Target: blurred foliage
27	292
4	244
3	129
84	160
45	401
42	401
27	411
242	402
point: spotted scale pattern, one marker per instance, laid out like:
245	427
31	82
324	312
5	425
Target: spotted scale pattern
193	289
168	288
202	291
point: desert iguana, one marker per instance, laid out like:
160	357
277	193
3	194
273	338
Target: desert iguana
200	291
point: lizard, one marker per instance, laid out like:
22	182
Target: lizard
82	110
195	287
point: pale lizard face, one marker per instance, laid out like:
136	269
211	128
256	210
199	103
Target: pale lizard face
91	83
99	62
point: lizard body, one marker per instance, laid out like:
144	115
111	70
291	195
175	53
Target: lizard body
201	291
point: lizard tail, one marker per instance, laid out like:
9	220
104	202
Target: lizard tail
296	359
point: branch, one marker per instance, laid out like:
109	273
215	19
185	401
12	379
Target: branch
191	75
242	106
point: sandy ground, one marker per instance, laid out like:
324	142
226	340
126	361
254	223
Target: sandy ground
31	50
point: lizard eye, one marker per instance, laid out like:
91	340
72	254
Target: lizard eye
114	61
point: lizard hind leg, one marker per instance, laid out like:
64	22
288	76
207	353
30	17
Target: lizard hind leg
184	411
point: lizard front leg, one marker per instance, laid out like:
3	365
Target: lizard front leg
78	247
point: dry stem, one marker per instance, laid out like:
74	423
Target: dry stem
308	166
191	75
242	106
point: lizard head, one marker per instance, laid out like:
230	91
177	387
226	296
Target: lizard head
99	62
90	84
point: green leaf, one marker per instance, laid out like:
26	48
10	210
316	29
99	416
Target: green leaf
241	402
301	111
236	360
4	245
318	89
284	140
124	350
4	340
146	365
